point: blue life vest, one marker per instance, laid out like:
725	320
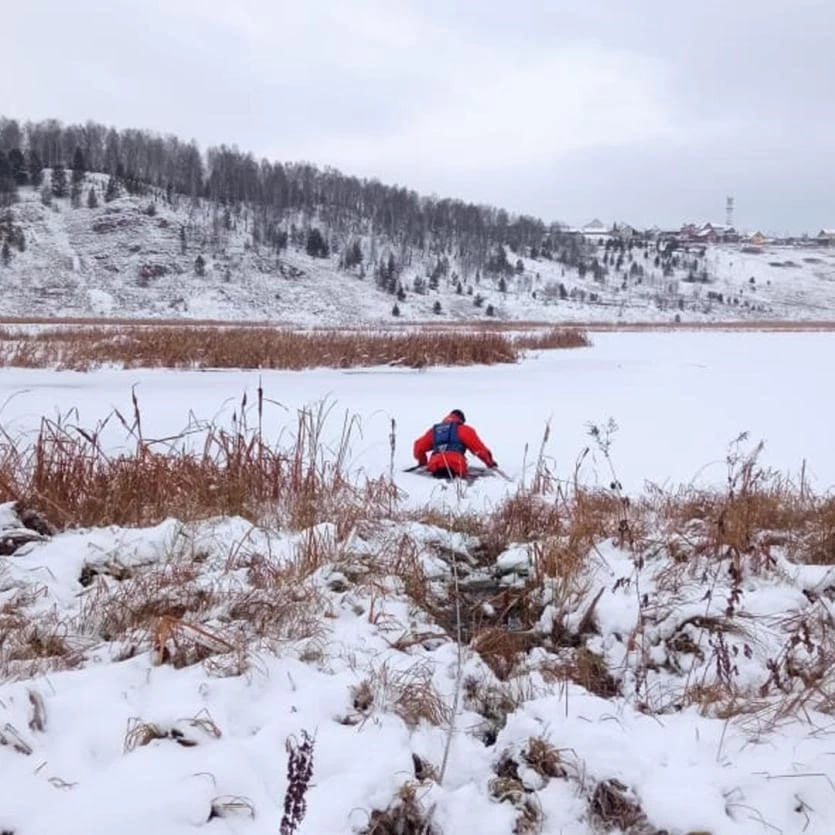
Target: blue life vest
445	438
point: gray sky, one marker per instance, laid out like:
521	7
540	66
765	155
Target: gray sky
648	112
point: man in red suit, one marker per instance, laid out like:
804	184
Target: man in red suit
448	442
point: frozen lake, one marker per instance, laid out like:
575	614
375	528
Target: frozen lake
678	399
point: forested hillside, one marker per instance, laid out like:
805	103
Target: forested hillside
95	221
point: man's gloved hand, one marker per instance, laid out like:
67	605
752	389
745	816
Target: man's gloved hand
492	465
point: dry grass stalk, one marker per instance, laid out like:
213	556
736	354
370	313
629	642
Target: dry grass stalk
543	758
409	693
587	669
229	805
38	720
10	736
181	643
507	787
553	338
195	346
141	733
612	808
66	473
405	815
501	650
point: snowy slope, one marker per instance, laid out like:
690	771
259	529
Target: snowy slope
119	260
100	733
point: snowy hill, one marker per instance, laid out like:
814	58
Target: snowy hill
136	256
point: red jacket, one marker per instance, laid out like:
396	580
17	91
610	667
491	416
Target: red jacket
451	460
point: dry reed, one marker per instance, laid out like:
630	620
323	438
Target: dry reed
189	346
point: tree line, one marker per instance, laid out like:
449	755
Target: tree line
344	205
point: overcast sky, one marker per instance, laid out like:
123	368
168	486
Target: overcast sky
651	111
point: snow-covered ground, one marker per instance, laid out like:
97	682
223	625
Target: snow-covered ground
119	260
73	758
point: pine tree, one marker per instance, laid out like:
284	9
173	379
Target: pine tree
489	310
200	266
35	167
6	254
111	192
183	242
92	200
59	180
8	186
78	166
18	165
316	246
395	311
353	257
436	308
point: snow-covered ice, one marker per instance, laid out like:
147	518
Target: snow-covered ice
679	399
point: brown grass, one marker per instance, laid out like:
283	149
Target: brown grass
553	337
611	807
408	693
405	815
543	758
65	474
190	346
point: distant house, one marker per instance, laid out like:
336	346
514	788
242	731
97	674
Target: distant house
826	237
596	231
707	233
625	232
758	239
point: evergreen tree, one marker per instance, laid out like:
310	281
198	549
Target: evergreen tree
8	186
436	308
200	266
78	166
92	200
489	310
401	294
6	254
59	180
35	167
18	166
353	257
183	242
395	311
111	192
316	246
502	285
